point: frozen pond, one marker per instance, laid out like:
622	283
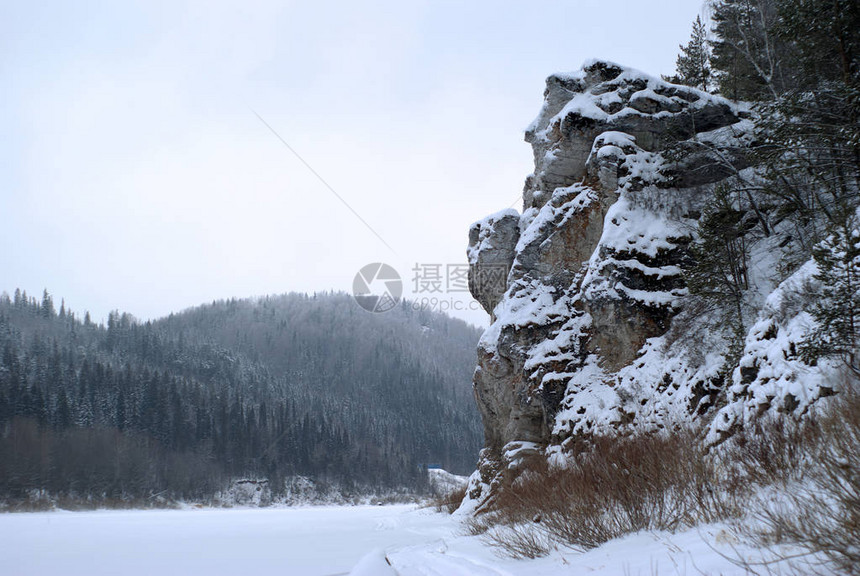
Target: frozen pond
325	541
313	541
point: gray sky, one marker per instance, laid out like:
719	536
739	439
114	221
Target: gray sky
135	175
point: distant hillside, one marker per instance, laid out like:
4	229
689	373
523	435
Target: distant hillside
267	388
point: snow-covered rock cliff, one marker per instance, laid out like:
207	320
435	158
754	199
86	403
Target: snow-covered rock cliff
591	329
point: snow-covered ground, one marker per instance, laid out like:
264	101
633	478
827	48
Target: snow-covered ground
321	541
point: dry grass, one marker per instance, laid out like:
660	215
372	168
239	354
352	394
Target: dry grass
671	482
450	501
618	487
818	509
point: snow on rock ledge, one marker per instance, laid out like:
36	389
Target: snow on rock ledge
592	267
771	378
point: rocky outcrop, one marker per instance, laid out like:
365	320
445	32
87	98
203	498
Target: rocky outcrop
593	265
492	244
593	120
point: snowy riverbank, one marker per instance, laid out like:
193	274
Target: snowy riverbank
320	541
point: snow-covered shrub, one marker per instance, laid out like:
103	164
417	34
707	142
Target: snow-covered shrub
837	309
250	492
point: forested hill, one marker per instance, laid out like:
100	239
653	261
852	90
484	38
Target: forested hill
267	388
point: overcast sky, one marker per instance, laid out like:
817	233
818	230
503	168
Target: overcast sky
135	175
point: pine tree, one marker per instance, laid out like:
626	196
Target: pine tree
810	131
719	274
693	66
825	40
837	305
63	415
47	307
745	55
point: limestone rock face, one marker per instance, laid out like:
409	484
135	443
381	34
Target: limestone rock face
607	99
592	266
492	242
593	330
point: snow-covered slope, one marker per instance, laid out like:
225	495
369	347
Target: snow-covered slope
443	482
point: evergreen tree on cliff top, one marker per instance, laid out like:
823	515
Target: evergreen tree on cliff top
744	55
798	61
693	66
